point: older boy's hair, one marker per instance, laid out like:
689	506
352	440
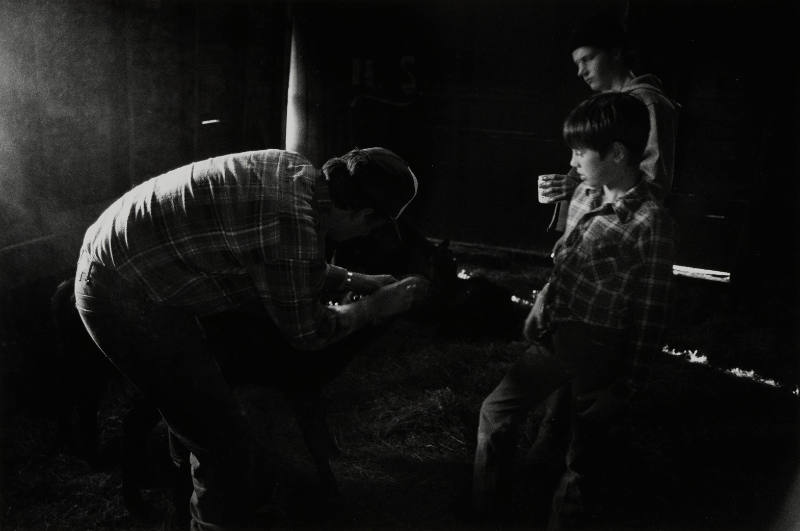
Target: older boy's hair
606	29
600	120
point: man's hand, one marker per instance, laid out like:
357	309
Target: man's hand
537	320
397	297
365	284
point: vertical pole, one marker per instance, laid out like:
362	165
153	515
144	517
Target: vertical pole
130	104
196	84
295	96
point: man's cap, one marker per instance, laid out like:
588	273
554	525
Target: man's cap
388	181
603	29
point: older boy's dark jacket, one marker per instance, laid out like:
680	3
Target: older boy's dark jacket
658	163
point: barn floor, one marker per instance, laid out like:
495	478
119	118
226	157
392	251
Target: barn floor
710	450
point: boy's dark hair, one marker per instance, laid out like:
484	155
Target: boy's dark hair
600	120
371	178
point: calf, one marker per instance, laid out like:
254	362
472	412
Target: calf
461	304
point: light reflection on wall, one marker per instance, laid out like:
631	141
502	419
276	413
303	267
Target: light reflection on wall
295	93
61	128
16	96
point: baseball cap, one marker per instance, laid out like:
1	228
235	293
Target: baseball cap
387	181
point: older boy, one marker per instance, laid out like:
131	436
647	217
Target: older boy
601	53
602	312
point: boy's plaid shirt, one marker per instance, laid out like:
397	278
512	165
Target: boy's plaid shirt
613	265
212	235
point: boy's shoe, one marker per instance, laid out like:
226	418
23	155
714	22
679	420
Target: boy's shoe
572	509
568	509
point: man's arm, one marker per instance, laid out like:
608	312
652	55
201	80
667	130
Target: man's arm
339	279
290	290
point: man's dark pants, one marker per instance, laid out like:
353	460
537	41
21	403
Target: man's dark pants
161	350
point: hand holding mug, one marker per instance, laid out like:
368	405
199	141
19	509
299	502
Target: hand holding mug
553	187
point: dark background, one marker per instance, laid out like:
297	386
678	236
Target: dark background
96	96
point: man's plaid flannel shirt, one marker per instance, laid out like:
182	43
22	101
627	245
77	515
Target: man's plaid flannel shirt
214	234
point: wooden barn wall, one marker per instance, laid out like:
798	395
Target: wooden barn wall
473	95
99	95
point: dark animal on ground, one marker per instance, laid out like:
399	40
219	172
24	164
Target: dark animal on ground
461	305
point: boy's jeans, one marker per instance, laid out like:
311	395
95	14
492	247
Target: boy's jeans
584	355
161	350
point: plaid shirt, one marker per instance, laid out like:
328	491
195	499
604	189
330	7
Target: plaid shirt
212	235
613	266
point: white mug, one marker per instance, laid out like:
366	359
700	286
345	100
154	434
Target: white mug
547	196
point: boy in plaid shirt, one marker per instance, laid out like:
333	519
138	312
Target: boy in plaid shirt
600	316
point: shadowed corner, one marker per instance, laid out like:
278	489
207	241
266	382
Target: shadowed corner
789	515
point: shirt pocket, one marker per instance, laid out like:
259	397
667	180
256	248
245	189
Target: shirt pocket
606	261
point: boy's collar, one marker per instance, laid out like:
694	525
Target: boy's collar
626	204
630	201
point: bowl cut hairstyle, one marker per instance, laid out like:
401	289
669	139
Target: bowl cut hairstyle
600	120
